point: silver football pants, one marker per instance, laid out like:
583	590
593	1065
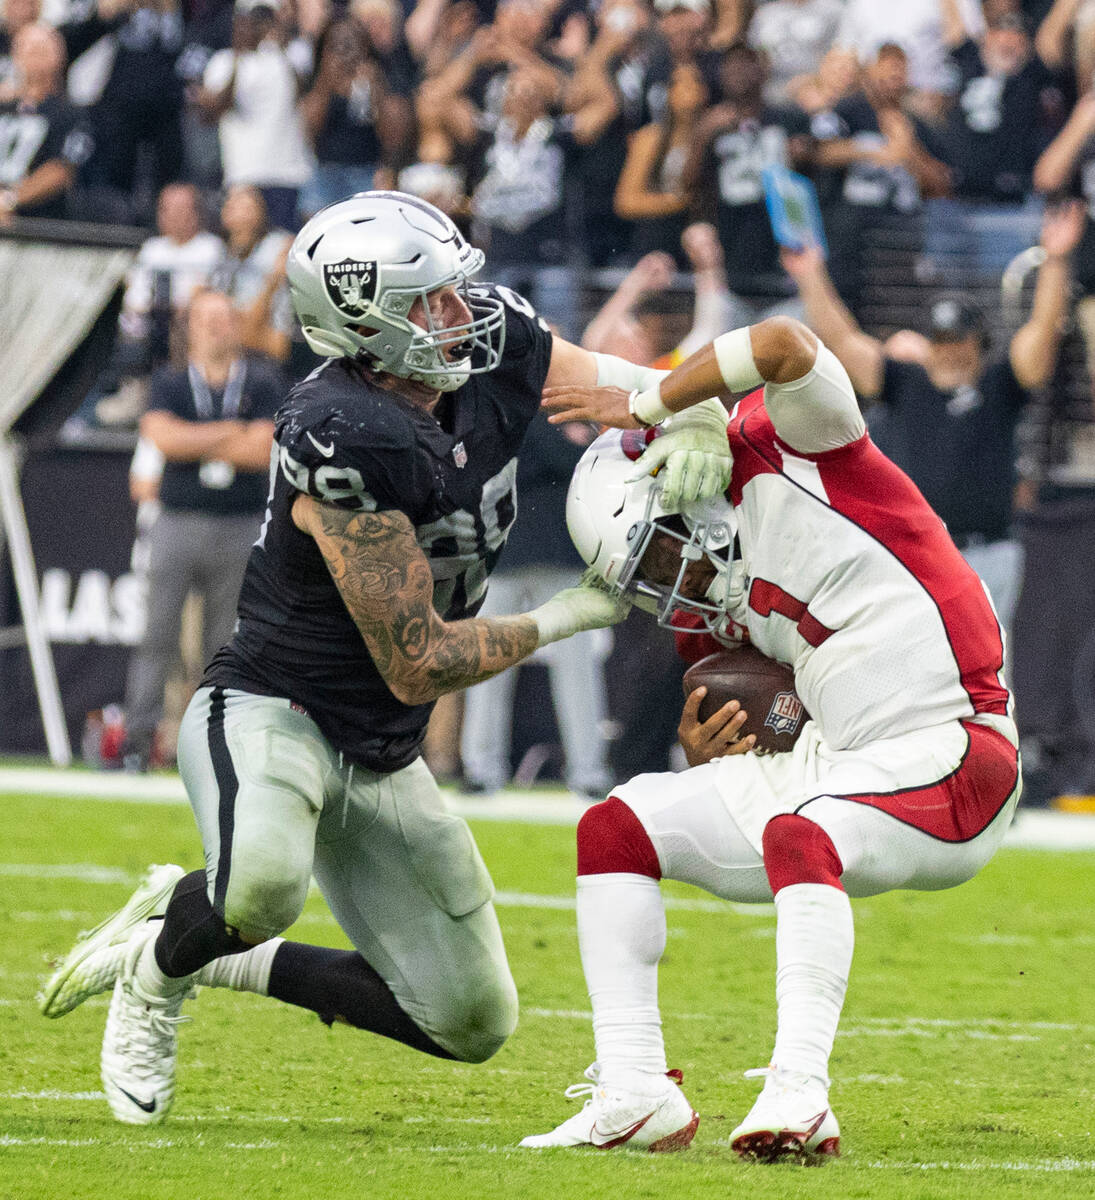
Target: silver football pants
276	803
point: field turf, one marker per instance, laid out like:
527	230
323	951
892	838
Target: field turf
965	1066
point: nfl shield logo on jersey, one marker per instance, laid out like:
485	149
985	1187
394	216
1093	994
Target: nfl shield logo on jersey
460	455
351	285
785	713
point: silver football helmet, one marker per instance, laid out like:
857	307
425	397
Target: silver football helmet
612	521
358	266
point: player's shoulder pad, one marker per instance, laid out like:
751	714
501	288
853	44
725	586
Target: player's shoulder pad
342	441
525	328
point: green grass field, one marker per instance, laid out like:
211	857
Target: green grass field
965	1065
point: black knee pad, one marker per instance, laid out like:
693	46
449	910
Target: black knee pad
193	934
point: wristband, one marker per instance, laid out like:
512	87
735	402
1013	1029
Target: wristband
647	407
734	353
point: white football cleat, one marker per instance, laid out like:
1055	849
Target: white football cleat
92	965
636	1109
137	1064
790	1119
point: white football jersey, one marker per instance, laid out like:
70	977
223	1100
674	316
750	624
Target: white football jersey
851	578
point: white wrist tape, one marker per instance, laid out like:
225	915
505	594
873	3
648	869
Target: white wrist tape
734	352
647	407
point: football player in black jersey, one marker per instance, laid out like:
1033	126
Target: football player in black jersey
392	490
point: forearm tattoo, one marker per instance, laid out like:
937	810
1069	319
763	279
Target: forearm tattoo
386	584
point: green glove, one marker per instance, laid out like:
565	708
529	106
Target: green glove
691	457
593	604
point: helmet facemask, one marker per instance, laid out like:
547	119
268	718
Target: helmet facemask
698	537
425	357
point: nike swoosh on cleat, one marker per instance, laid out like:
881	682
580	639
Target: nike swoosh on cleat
816	1125
148	1106
606	1141
326	451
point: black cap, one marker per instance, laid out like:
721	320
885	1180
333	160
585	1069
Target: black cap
954	317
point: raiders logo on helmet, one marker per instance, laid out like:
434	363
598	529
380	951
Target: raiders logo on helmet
351	285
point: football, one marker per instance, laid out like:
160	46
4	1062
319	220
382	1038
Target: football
765	688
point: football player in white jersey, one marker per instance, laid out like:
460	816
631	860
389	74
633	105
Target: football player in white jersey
906	777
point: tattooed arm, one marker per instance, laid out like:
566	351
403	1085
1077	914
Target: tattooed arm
386	584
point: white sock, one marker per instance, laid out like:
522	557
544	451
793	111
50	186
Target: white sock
814	941
148	977
621	934
246	972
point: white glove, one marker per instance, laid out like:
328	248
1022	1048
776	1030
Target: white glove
692	454
590	605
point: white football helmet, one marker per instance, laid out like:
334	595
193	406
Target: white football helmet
612	521
356	268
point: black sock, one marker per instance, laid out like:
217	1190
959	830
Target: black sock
192	933
341	984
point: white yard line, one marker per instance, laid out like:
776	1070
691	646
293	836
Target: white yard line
1034	829
85	872
1047	1166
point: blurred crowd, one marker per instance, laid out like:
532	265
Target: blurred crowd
562	132
612	152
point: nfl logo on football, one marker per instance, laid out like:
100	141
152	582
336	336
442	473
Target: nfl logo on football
785	713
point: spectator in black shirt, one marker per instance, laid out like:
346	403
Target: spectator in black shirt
213	423
950	423
518	197
734	142
879	163
42	140
356	122
472	85
628	64
1068	167
137	118
383	22
1008	106
650	189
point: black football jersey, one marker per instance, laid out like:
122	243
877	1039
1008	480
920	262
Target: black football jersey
348	443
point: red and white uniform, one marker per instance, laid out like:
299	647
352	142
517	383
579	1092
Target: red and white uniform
853	581
910	763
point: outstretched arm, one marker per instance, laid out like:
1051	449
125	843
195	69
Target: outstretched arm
385	582
1033	349
1058	162
692	458
807	391
781	348
827	315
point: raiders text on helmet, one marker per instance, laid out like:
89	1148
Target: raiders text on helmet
358	266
